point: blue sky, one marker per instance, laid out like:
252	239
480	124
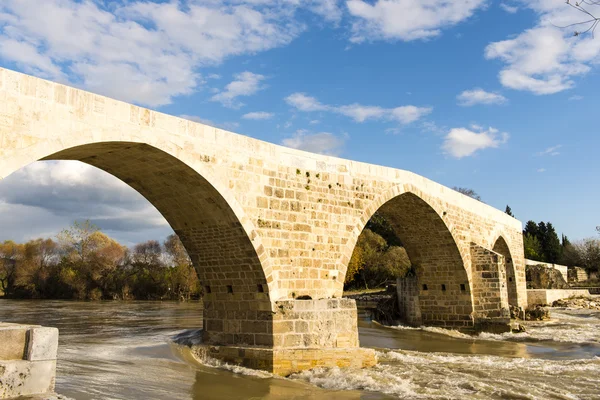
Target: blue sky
473	93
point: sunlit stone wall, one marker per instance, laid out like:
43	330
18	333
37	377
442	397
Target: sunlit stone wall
263	223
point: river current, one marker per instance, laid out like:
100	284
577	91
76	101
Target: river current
125	350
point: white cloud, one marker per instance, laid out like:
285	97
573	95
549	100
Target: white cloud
545	59
462	142
305	103
245	84
479	96
509	8
407	19
140	51
323	142
550	151
575	98
541	170
258	115
359	112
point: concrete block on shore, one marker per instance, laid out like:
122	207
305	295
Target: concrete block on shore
27	360
43	344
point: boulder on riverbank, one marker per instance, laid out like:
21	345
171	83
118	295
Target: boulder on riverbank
542	277
579	302
537	313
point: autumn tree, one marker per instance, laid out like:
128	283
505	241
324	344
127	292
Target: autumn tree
10	254
184	278
374	262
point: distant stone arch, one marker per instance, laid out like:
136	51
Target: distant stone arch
501	247
443	284
228	256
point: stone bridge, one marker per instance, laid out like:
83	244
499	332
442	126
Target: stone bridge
271	230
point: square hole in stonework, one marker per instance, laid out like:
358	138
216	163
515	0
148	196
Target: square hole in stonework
207	289
443	287
463	287
510	278
260	288
424	286
229	289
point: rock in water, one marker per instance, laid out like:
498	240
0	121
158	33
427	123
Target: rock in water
537	313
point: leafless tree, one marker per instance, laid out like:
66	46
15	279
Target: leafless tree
467	192
588	8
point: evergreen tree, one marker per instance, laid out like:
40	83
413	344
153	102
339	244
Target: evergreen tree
551	245
565	242
532	247
531	228
509	211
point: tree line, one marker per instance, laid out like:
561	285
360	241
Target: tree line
85	264
541	243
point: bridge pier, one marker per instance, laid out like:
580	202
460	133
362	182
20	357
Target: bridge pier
292	336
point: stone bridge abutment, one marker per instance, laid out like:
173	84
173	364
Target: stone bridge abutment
271	230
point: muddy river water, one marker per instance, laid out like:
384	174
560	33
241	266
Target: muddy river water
125	350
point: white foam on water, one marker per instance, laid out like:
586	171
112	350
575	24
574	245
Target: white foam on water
375	379
442	331
566	326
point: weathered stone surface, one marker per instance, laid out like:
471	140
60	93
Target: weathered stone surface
13	342
549	296
27	359
265	224
43	344
542	277
21	378
285	362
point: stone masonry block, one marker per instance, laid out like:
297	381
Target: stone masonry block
43	344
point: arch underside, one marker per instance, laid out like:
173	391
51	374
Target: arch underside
221	251
501	247
443	285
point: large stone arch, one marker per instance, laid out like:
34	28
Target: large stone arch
443	283
227	253
501	247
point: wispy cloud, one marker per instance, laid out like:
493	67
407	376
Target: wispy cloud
322	142
245	84
463	142
359	112
550	151
258	115
540	170
479	96
575	98
511	9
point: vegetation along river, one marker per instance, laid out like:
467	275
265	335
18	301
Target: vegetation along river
125	350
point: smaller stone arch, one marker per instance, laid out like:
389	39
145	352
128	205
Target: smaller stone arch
443	288
501	247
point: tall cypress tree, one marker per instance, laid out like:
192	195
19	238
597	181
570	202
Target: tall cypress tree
551	246
509	211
